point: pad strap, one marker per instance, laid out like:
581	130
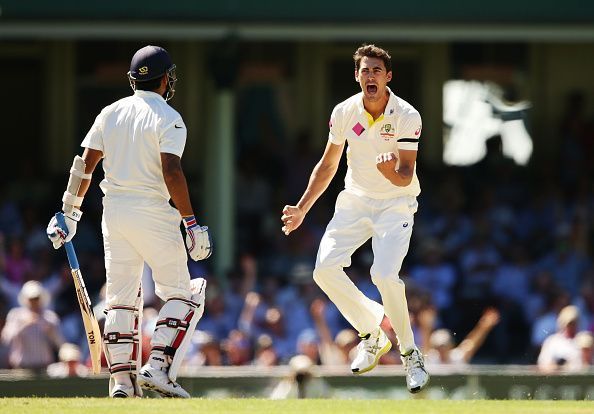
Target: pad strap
80	174
71	199
173	323
120	337
114	368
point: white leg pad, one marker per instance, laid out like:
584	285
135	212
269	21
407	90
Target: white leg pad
122	343
176	324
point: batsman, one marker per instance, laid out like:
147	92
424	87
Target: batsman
141	139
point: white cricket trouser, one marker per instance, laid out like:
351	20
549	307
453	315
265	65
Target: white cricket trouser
389	223
138	230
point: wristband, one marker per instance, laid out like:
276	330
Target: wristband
190	221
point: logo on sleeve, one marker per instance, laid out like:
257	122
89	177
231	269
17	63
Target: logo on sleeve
418	131
178	126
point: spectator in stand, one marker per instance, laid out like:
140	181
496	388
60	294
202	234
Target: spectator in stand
237	348
548	322
204	350
69	364
31	331
301	381
560	351
478	263
308	344
18	265
435	275
512	278
585	343
261	317
585	302
16	269
329	353
566	263
442	349
217	320
542	287
346	341
265	354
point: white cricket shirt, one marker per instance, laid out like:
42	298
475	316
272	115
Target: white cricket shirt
398	128
132	133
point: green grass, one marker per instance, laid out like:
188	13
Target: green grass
197	406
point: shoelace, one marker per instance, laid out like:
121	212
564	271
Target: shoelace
371	345
413	360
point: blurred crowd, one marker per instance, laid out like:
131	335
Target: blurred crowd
499	270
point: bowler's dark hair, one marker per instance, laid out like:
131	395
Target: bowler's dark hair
149	85
372	51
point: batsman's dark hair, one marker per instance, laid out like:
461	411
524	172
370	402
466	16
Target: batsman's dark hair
372	51
149	85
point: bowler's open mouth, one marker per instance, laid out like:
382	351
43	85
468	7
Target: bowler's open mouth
371	88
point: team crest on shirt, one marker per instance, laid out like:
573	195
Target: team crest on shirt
387	131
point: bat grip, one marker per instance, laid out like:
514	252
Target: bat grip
72	259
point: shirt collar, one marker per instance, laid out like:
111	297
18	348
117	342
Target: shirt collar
392	103
390	106
388	110
147	94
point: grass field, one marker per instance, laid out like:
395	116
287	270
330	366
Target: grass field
197	406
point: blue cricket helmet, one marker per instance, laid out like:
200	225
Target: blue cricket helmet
152	62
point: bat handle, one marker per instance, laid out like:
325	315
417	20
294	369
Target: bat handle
72	259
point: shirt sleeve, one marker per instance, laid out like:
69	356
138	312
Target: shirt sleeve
336	134
173	138
94	138
409	131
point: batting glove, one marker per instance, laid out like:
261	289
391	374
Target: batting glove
198	240
57	235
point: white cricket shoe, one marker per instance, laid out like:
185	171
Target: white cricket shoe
157	380
370	350
122	391
416	375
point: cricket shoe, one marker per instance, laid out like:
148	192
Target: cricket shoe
416	375
157	380
370	350
122	391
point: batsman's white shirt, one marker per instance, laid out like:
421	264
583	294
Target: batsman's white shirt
132	133
398	128
138	223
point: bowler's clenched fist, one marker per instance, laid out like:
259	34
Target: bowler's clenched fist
292	218
386	163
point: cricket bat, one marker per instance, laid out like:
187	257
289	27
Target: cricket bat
88	316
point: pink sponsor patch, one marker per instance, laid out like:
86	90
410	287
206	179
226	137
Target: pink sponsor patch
358	129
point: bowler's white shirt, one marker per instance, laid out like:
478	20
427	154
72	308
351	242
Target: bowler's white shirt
132	133
398	128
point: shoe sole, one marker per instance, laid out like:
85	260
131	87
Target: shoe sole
381	353
419	389
144	384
